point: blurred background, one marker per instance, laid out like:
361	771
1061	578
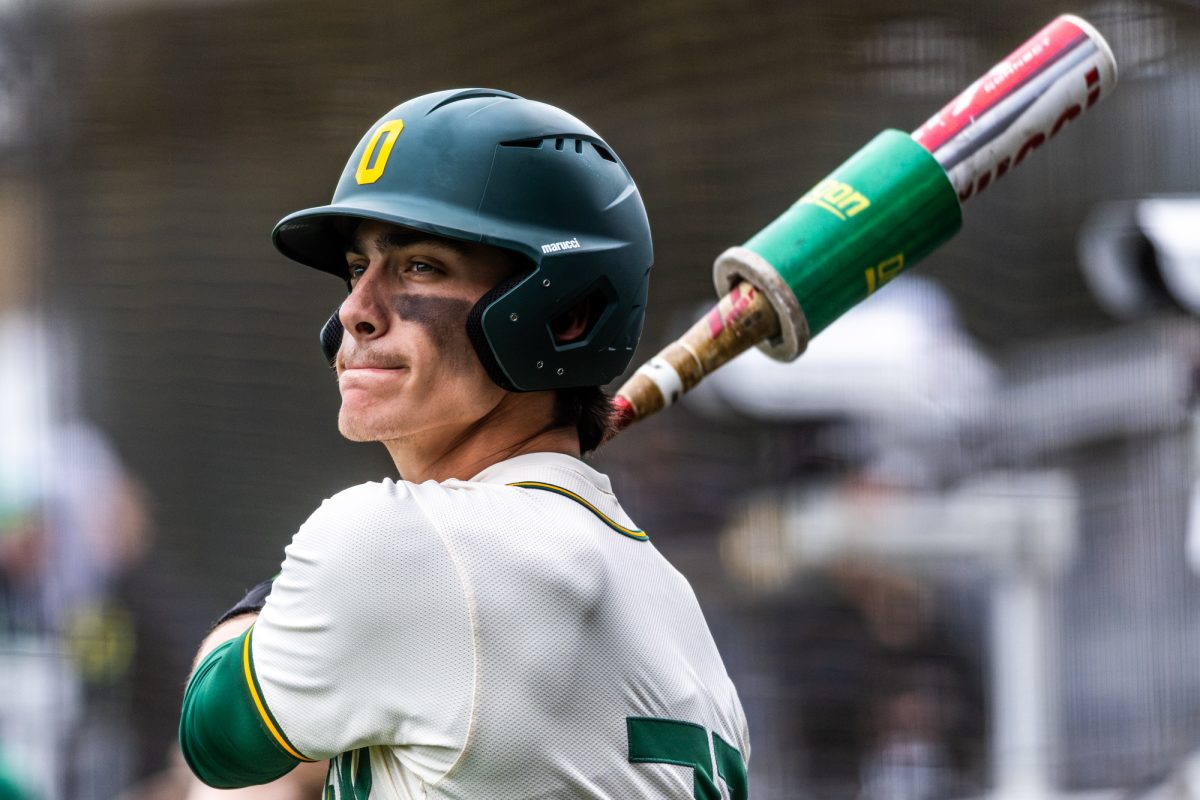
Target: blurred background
951	552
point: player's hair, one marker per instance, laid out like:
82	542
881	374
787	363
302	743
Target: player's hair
589	410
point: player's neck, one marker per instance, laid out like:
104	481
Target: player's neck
519	424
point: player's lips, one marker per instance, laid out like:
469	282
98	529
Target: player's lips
349	373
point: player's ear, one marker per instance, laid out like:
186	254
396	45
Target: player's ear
574	324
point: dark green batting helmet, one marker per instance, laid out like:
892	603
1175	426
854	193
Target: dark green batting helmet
487	166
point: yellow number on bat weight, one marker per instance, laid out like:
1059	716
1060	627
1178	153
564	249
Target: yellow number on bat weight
883	272
368	173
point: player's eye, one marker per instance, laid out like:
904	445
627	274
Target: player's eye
421	268
356	271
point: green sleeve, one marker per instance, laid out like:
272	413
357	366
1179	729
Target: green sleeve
227	734
10	789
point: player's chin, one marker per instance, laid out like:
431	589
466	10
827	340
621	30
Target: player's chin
364	424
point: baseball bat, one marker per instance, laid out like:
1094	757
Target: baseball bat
890	204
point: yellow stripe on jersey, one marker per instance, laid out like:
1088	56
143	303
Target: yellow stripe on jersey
632	533
258	703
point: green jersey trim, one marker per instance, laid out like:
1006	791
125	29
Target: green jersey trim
228	737
632	533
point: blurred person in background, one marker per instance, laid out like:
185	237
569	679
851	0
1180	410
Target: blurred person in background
72	522
921	709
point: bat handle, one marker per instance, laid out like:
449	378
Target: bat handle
741	319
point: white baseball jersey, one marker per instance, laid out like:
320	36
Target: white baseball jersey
511	636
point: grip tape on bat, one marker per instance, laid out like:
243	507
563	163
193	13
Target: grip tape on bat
877	214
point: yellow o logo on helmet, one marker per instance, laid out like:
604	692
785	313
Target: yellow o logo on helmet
366	173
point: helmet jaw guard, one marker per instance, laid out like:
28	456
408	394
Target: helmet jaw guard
490	167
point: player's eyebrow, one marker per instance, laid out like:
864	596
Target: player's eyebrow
384	241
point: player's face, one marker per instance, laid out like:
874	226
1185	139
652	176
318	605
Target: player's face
406	367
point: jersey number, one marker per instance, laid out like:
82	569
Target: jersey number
668	741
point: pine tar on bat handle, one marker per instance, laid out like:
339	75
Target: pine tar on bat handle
740	320
893	202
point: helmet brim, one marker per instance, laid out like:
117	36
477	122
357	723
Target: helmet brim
319	237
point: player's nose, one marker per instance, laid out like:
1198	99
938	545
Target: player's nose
364	312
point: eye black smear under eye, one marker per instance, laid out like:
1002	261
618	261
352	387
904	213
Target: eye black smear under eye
445	318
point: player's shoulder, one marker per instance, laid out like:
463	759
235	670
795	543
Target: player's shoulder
365	536
539	514
405	508
364	512
535	490
529	503
366	499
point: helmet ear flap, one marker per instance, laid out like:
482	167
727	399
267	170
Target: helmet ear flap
479	339
331	336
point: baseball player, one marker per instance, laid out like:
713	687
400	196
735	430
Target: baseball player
493	625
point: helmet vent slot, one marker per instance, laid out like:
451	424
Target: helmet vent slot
603	151
473	94
560	144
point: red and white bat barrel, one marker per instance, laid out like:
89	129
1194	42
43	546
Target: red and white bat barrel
1019	104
